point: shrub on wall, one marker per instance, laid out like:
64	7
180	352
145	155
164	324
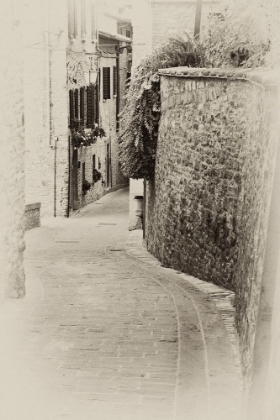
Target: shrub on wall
237	37
140	117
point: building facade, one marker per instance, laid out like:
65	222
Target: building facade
72	88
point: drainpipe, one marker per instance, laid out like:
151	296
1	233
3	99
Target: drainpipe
118	87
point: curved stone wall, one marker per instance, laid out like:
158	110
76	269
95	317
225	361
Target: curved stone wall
208	205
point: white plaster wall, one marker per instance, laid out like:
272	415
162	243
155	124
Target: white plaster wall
142	30
45	96
12	243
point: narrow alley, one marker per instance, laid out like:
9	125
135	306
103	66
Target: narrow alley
105	333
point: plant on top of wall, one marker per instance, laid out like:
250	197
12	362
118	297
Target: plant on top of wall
83	138
231	39
140	117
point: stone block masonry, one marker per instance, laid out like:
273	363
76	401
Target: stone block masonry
208	205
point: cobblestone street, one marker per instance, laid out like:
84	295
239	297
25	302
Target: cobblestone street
105	332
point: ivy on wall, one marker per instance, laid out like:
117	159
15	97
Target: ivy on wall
140	117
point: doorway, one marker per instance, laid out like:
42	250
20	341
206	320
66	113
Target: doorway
108	166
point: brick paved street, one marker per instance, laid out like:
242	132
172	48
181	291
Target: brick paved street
102	334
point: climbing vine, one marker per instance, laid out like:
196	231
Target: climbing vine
140	117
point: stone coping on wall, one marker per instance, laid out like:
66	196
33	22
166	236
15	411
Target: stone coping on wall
33	206
32	216
263	76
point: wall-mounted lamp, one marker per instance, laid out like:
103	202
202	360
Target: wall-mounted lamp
90	76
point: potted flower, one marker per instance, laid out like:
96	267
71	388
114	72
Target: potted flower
83	138
96	175
85	186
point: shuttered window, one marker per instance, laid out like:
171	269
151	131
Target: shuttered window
115	80
92	105
82	105
76	101
106	83
71	108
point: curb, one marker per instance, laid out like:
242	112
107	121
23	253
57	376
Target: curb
222	298
225	381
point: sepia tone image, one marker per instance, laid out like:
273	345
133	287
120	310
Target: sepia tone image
140	210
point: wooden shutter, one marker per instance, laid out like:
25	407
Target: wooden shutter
82	105
115	80
92	105
106	83
76	101
71	108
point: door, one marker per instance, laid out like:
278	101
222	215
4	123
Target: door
108	166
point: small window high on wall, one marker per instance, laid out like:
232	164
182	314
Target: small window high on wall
72	19
106	83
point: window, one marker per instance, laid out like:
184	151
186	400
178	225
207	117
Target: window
83	19
106	83
72	19
93	162
128	33
76	103
93	22
82	105
71	108
115	81
83	172
92	105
